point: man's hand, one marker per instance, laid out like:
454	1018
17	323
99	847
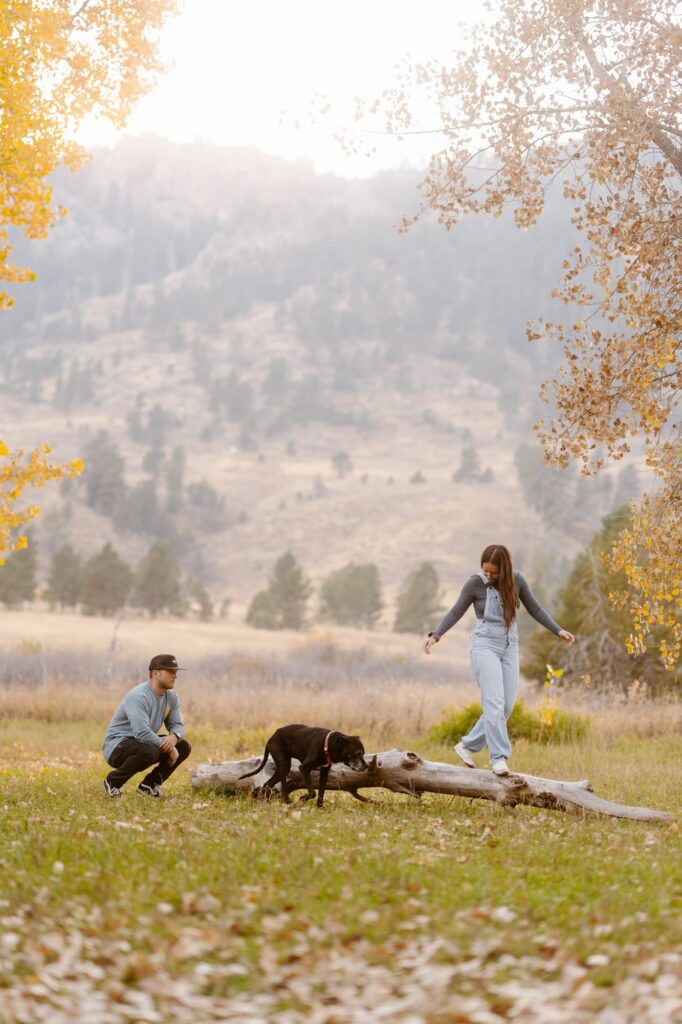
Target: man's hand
169	743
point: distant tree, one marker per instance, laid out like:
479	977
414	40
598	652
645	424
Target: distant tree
469	465
197	592
65	581
107	581
225	606
175	476
74	389
140	512
152	461
419	601
291	590
18	577
342	464
159	422
283	604
157	582
207	507
351	596
105	486
417	477
599	658
263	612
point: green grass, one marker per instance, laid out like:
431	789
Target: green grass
543	724
306	880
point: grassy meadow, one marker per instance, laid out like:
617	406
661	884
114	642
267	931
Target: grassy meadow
205	907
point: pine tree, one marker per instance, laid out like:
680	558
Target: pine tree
65	579
599	658
469	465
18	577
157	582
419	601
351	596
198	592
107	581
105	486
263	612
283	604
291	590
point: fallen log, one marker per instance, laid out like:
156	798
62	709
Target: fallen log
406	772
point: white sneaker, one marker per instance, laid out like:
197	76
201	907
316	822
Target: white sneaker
500	767
464	755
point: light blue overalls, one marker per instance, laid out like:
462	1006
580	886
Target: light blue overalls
495	660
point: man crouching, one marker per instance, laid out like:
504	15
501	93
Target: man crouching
132	744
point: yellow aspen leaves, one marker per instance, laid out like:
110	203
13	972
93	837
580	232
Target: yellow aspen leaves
61	60
16	473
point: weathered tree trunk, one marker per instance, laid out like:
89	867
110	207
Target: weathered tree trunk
406	772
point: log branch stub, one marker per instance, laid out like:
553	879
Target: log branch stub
408	773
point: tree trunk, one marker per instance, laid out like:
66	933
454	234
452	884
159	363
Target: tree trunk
406	772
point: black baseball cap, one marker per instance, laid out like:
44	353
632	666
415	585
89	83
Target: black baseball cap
165	661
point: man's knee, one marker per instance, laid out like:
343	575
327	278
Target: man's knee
149	751
184	748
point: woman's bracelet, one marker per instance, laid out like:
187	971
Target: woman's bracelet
436	636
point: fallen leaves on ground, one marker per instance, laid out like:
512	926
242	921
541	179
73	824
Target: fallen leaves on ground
308	977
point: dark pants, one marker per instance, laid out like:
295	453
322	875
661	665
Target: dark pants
131	757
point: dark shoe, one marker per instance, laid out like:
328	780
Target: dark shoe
147	790
110	790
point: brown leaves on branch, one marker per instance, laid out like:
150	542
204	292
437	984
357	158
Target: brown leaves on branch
586	92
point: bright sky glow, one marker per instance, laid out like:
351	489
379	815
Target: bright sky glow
245	71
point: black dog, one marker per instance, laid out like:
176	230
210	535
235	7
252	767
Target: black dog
314	748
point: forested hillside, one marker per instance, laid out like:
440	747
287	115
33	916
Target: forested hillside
254	359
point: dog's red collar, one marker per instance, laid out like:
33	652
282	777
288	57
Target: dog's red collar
327	758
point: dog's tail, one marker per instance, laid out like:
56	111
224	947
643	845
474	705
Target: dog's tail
260	766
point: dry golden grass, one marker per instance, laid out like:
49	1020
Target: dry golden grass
383	712
140	637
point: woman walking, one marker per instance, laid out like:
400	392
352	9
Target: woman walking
495	593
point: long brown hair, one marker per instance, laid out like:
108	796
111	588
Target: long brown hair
498	554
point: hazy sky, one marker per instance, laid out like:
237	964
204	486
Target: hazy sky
246	70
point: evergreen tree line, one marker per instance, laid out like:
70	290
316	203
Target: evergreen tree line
104	584
350	596
151	506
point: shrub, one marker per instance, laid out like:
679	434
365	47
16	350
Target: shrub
539	725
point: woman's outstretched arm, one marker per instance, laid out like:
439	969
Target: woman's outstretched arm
534	608
458	609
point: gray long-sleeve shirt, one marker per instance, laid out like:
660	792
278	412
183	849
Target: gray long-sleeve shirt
140	715
474	592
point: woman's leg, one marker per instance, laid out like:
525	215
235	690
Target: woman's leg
510	677
491	728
